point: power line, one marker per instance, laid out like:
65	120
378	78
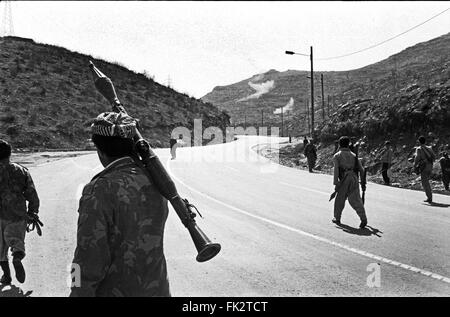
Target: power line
378	44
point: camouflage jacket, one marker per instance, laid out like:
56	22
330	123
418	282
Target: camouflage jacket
16	188
120	235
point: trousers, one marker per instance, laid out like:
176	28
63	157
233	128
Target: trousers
425	179
12	236
349	189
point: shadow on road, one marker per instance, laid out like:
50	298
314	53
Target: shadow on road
367	231
433	204
13	291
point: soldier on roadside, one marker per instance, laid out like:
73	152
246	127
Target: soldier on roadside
423	164
16	188
311	155
174	144
305	141
386	161
445	168
347	169
121	220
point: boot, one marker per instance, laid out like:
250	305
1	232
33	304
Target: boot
363	224
6	278
18	267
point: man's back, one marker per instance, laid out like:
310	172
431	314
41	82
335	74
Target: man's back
120	235
426	154
16	187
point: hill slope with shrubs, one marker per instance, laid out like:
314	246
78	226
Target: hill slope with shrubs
48	99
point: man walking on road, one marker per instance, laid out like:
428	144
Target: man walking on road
174	144
386	161
121	220
347	169
311	155
423	163
16	188
445	168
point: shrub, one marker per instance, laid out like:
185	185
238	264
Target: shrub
12	131
9	118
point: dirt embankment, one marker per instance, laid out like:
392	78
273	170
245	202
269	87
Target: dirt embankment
402	175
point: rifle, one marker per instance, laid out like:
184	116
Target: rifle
206	249
363	174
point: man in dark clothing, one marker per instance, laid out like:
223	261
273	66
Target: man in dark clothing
445	167
311	155
305	141
173	143
16	188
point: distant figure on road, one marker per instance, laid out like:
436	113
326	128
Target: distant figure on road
347	169
423	165
445	168
174	144
305	141
121	221
386	161
354	146
311	155
16	188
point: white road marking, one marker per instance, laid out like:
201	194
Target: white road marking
305	188
316	237
231	168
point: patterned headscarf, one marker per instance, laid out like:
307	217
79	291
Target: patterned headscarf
114	124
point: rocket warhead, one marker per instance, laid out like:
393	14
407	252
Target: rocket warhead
104	85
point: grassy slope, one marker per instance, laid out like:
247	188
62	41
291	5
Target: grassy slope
47	98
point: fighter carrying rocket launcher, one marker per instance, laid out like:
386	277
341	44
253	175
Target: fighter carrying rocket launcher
206	249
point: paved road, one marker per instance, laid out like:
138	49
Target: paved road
274	226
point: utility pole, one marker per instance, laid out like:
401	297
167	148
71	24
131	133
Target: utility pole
312	82
312	90
323	99
282	128
307	116
328	105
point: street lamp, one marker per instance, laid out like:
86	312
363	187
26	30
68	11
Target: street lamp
312	82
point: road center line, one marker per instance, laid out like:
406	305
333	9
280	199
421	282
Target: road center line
231	168
316	237
305	188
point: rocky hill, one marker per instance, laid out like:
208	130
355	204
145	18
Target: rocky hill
422	67
48	99
397	99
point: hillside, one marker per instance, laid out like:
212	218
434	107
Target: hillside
417	68
397	99
48	98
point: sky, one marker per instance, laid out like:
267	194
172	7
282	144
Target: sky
200	45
